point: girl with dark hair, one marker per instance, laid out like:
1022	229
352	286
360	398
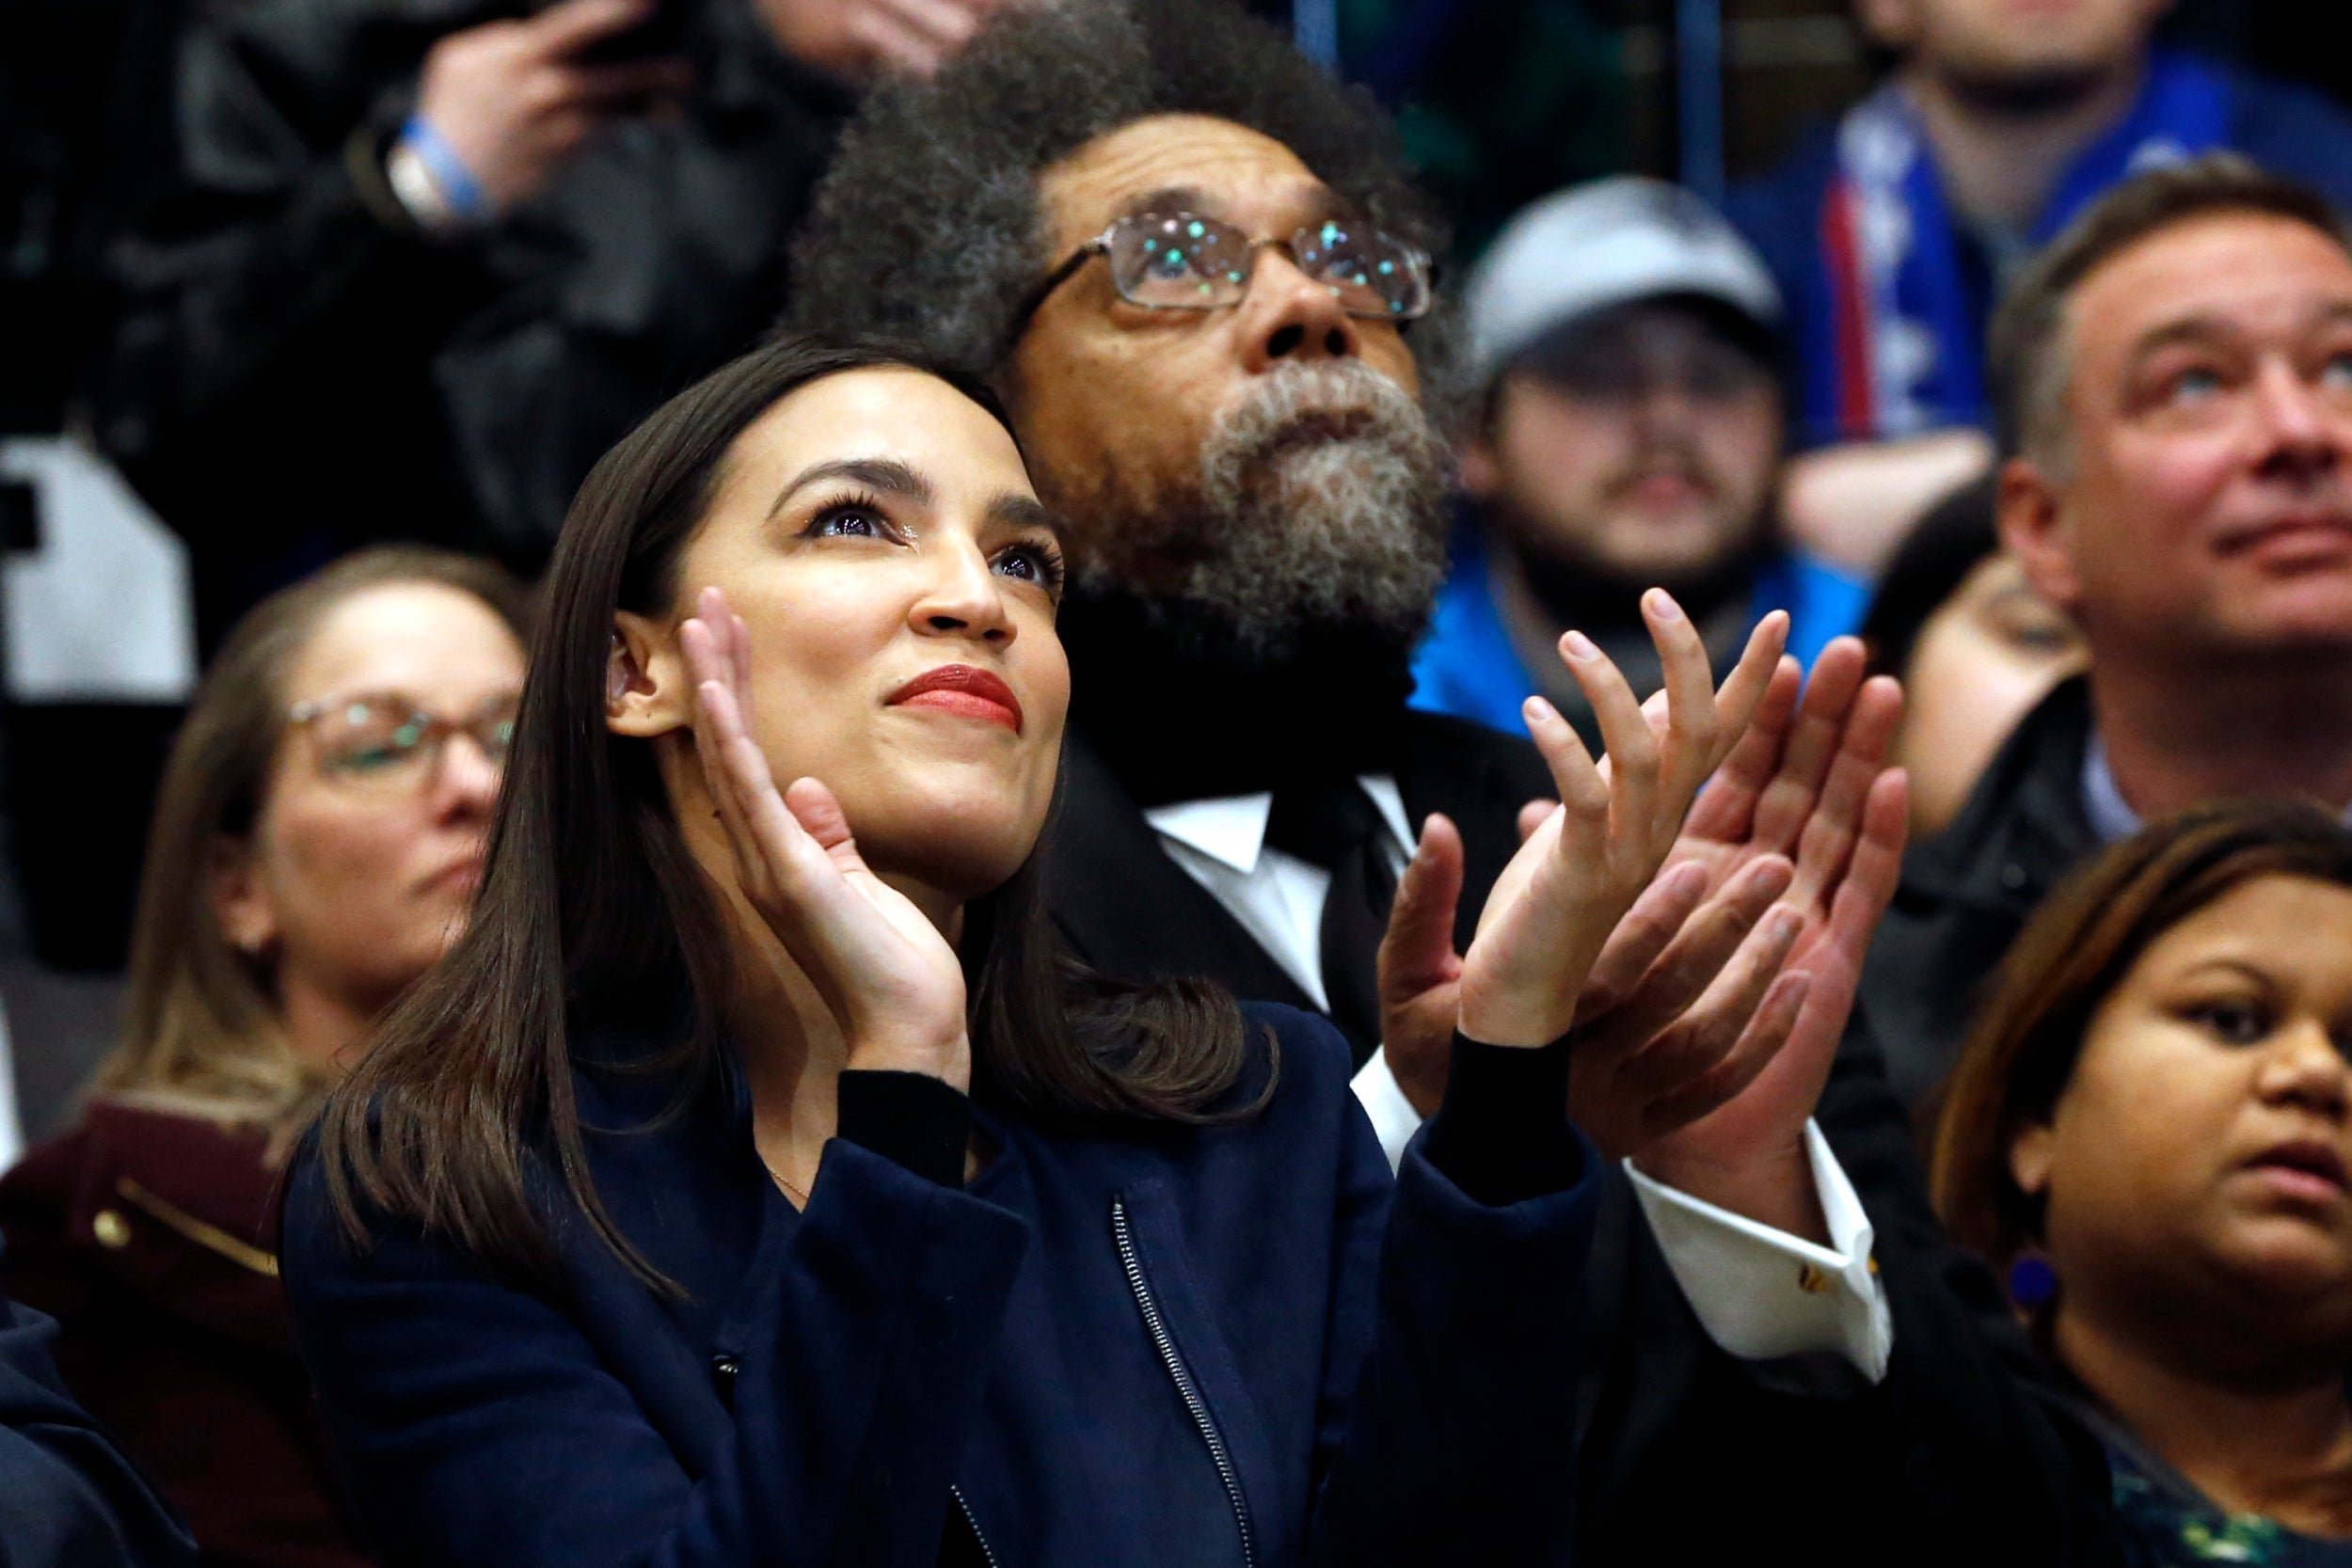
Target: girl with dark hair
753	1185
2151	1131
317	842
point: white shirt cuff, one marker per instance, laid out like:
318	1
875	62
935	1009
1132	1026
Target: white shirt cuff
1394	1120
1761	1292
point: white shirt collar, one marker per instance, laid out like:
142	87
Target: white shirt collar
1231	829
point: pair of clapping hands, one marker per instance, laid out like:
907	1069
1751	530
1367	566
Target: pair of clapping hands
1703	958
1706	1014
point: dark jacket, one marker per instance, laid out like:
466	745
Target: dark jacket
149	1237
67	1497
1121	904
1171	1346
1955	1458
299	369
1967	893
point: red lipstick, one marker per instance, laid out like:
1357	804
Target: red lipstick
961	689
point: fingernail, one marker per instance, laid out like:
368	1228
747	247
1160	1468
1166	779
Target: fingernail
1662	604
1537	711
1786	924
1579	647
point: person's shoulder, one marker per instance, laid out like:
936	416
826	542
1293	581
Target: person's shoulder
2025	791
1311	1047
1777	209
2292	128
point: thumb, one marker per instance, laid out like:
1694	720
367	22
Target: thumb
1417	950
820	813
1531	817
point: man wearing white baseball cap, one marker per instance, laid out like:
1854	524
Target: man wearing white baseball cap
1631	435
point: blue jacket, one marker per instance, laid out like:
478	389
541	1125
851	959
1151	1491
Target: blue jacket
1469	667
1239	1345
67	1497
2291	128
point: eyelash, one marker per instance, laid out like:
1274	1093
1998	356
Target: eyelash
861	504
1051	574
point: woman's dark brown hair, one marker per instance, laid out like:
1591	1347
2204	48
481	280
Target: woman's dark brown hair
200	1028
2071	955
593	912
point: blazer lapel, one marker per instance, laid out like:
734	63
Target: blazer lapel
1128	909
1479	778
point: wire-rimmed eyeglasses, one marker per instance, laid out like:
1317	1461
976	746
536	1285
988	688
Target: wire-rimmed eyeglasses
1185	262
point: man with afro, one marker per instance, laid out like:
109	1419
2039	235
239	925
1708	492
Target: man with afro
1203	285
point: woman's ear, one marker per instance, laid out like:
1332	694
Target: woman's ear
248	916
644	683
2031	1153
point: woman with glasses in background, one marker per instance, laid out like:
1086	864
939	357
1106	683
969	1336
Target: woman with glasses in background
316	845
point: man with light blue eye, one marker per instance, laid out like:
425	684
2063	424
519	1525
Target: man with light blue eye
2176	380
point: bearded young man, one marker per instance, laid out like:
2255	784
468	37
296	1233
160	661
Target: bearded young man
1201	284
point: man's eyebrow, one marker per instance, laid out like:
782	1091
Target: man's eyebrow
1318	199
1011	510
2208	328
2186	330
1167	199
886	474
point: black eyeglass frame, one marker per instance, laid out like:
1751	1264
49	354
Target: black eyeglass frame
1100	245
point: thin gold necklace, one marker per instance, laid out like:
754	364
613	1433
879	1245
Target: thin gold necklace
781	1181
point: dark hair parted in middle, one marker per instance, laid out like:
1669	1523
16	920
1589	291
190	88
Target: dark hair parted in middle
593	912
2071	955
929	227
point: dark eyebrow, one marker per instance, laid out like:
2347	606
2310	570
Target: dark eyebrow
886	474
1015	510
1167	199
1322	202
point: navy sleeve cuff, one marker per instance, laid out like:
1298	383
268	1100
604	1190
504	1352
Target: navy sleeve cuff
910	1119
1502	1133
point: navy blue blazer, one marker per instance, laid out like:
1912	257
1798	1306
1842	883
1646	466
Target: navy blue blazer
67	1497
1233	1345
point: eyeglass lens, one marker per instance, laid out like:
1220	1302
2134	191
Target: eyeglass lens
1185	262
388	741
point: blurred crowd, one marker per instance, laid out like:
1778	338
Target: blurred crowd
1079	780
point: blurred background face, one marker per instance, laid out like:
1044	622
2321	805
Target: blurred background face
368	849
2001	47
876	530
1642	445
1983	661
2198	1155
2209	507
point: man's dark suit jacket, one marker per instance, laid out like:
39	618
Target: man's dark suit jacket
1956	1457
1968	892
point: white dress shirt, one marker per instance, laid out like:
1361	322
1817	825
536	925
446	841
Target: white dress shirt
1759	1292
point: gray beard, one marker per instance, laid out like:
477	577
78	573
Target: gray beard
1320	500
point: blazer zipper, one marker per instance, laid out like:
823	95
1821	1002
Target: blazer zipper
986	1550
1181	1375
